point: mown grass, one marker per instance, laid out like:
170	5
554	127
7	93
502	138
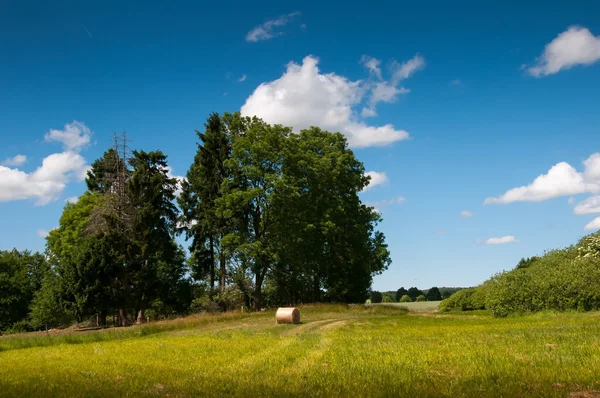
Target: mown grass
416	306
339	351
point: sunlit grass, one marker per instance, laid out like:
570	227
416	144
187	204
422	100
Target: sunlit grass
336	351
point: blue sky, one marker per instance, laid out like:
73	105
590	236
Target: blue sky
446	104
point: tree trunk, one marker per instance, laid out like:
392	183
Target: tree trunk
212	264
122	317
140	317
223	272
103	318
258	292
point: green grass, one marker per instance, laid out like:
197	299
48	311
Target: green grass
416	306
336	351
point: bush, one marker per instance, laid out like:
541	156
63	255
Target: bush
204	304
465	300
405	299
387	299
376	297
231	299
421	298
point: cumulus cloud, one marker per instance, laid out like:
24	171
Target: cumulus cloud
304	97
42	233
377	178
268	30
466	214
594	224
498	241
241	79
575	46
15	161
589	206
561	180
46	183
75	136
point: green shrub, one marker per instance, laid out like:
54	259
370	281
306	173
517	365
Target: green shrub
204	304
421	298
231	299
387	299
465	300
405	299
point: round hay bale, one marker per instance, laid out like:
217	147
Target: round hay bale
287	315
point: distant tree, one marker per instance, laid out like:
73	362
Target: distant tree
421	297
21	275
387	299
405	299
376	297
434	294
401	292
413	293
527	262
47	308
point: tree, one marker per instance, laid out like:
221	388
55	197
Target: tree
401	292
21	275
198	201
413	293
421	297
434	294
527	262
47	308
101	176
405	299
152	196
376	297
257	189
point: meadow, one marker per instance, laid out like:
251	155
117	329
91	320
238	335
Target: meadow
335	351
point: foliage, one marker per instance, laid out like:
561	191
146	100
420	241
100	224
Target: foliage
387	299
405	299
21	275
413	293
421	298
400	293
434	294
376	297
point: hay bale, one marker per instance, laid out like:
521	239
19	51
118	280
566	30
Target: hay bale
287	315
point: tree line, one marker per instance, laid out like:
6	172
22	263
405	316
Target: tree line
403	295
559	280
272	217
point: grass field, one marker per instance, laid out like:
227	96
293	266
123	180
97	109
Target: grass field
336	351
416	306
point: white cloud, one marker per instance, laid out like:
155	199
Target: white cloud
180	180
466	214
267	31
303	97
42	233
377	178
372	64
368	112
395	201
561	180
571	200
74	137
594	224
575	46
589	206
72	199
409	67
46	183
498	241
241	79
16	161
